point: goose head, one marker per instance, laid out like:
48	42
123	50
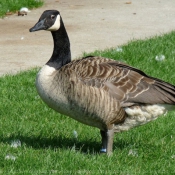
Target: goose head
50	20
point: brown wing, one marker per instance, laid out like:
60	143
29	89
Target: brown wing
126	84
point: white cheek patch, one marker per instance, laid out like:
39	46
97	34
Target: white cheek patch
56	25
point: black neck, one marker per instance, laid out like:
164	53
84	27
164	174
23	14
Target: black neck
61	53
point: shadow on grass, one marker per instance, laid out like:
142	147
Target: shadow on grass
84	146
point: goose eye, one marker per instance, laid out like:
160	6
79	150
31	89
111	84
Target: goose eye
52	16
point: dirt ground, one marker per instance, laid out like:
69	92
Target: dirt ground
91	25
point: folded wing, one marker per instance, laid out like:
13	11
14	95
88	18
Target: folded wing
124	83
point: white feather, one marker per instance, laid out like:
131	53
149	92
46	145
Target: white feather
140	115
24	9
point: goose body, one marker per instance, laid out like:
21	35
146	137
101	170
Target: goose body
98	91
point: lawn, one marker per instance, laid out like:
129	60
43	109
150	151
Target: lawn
36	140
16	5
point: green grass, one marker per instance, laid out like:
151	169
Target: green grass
47	142
15	5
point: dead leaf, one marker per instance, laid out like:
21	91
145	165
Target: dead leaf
129	2
9	13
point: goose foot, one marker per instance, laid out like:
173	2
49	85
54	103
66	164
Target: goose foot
107	141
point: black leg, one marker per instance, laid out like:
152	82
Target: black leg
107	141
104	141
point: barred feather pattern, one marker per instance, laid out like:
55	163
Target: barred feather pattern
96	91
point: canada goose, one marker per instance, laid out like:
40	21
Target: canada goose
98	91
